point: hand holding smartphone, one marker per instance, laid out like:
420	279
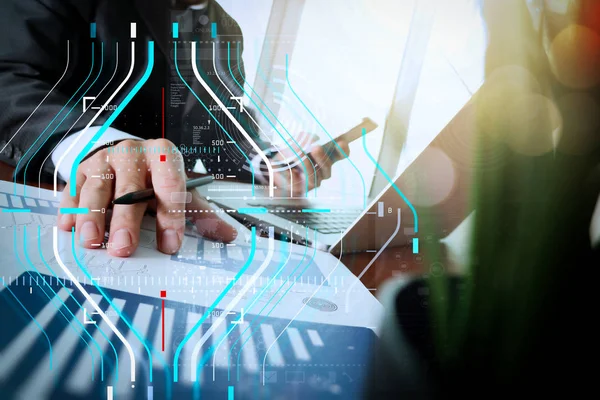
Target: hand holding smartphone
353	134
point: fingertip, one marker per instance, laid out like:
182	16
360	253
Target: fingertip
232	233
170	241
121	243
89	235
216	229
66	222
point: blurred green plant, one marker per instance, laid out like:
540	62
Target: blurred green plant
527	294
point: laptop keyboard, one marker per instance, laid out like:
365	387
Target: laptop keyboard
334	221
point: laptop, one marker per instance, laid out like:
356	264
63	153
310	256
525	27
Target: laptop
432	189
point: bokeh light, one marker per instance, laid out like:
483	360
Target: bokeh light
534	125
433	179
575	57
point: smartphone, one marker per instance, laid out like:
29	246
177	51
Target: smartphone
353	134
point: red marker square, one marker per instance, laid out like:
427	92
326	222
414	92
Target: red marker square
163	158
163	293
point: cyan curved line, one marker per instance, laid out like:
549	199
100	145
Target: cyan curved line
51	122
277	119
81	116
44	99
253	301
65	117
412	208
119	313
266	106
112	118
362	180
215	119
258	131
298	313
39	241
33	319
262	75
251	323
213	348
56	297
286	100
327	278
269	121
282	98
213	306
272	308
249	138
365	269
218	89
274	116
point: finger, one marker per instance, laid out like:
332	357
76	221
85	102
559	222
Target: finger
284	182
126	220
299	183
96	193
67	221
168	180
310	171
207	222
323	162
345	146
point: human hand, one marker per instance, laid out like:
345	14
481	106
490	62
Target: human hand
315	166
100	181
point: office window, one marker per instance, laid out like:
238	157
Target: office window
253	19
344	62
453	70
344	67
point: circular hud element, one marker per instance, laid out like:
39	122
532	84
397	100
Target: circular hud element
320	304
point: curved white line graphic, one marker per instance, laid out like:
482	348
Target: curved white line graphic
302	308
233	120
255	300
255	123
44	99
385	245
92	302
112	96
82	114
232	304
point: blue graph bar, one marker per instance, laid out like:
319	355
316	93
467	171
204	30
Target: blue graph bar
93	30
175	30
213	30
316	210
16	210
230	393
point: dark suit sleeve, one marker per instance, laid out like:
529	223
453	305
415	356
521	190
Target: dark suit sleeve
230	31
33	57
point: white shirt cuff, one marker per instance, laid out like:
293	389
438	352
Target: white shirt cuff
110	135
258	174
